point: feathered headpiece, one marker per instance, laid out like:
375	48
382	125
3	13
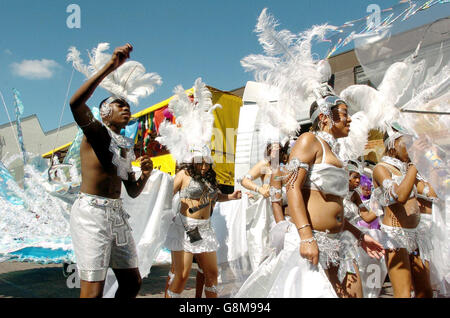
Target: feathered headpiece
290	66
405	84
376	108
129	82
189	138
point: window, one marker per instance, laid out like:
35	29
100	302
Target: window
360	77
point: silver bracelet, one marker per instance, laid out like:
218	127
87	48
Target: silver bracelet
309	241
303	226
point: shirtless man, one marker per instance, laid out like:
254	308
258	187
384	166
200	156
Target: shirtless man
100	231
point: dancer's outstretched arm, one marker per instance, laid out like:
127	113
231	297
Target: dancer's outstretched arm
236	195
257	171
81	112
371	246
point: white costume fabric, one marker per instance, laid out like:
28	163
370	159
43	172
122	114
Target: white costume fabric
150	217
259	218
372	271
287	275
440	233
229	222
101	236
290	66
178	240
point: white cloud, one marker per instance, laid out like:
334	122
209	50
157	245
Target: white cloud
7	51
35	69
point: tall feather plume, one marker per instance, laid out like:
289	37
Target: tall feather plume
130	81
378	107
273	42
289	65
194	122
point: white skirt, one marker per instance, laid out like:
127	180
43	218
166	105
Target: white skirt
418	238
285	274
424	235
178	240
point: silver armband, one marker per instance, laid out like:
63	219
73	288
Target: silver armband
91	120
388	193
292	169
273	192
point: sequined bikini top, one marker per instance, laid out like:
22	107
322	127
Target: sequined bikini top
196	189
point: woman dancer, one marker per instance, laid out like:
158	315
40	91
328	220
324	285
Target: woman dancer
277	188
316	186
394	180
190	232
263	170
289	65
315	206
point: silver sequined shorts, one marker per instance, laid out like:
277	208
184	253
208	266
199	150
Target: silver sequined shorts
178	240
101	237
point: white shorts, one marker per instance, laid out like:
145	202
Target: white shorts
101	237
178	240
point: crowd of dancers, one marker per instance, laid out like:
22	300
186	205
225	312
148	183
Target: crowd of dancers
330	225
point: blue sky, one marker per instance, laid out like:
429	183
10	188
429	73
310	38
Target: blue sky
180	40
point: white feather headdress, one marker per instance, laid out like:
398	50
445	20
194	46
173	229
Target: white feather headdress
405	84
130	81
376	107
290	66
190	136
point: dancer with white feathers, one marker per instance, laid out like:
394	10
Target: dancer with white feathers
311	262
190	232
101	234
406	237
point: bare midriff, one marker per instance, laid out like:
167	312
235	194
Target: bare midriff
326	212
202	214
426	207
396	215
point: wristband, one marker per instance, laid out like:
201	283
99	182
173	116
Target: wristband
309	241
303	226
